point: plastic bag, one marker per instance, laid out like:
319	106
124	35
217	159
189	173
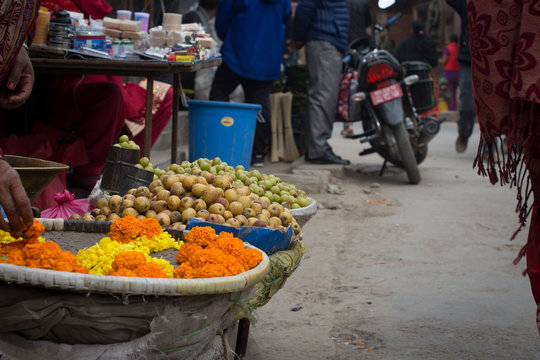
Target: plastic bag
67	206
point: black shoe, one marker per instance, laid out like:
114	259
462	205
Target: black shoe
329	158
258	161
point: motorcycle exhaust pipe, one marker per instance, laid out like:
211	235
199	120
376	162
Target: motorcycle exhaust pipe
430	128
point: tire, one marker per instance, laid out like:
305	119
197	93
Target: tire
408	159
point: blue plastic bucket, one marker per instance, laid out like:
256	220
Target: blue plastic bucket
222	129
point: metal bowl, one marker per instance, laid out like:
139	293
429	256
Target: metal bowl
35	174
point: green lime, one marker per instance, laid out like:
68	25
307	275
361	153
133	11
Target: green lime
144	161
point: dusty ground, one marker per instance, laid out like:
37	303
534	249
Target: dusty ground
405	272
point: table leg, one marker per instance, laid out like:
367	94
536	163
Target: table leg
242	338
148	116
174	145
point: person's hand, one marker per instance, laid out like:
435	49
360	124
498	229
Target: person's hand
295	45
14	200
18	83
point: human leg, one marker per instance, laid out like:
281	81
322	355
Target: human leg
225	81
258	92
467	111
324	67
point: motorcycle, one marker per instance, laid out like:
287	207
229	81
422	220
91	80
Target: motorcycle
393	100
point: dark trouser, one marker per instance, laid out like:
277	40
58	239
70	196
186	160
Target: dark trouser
255	92
324	66
467	112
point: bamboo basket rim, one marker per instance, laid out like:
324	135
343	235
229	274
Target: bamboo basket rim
90	283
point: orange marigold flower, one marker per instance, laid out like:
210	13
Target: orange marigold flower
212	270
230	245
201	235
129	260
123	272
12	255
205	255
150	270
251	258
186	251
184	271
49	255
34	231
125	229
150	228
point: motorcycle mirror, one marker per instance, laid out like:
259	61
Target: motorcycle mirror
359	96
411	79
383	4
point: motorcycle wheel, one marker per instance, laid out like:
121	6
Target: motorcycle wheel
408	159
420	153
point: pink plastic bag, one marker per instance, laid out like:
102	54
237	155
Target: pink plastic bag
66	207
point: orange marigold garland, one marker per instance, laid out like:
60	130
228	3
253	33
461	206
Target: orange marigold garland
201	235
125	229
49	255
133	263
34	231
150	228
205	255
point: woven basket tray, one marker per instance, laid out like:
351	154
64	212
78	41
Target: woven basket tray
88	283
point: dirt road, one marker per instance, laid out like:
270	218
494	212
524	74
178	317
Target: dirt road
405	272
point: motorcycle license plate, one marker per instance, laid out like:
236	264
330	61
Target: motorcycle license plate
386	94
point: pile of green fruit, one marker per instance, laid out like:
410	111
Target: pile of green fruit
125	142
269	186
144	163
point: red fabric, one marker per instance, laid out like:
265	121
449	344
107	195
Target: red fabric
159	119
18	21
97	9
452	64
505	48
52	144
134	96
342	113
56	5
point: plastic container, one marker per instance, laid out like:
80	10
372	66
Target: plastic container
119	162
123	14
423	91
144	18
42	27
222	129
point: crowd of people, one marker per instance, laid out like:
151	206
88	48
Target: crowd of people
82	115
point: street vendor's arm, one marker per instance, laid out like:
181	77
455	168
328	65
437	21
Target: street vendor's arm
18	82
14	200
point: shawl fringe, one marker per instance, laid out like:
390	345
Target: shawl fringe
504	159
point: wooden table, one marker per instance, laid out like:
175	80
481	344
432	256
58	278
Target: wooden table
46	61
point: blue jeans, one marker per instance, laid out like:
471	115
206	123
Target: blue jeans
467	112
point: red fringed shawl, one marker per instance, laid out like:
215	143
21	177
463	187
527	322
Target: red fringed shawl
16	20
505	55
